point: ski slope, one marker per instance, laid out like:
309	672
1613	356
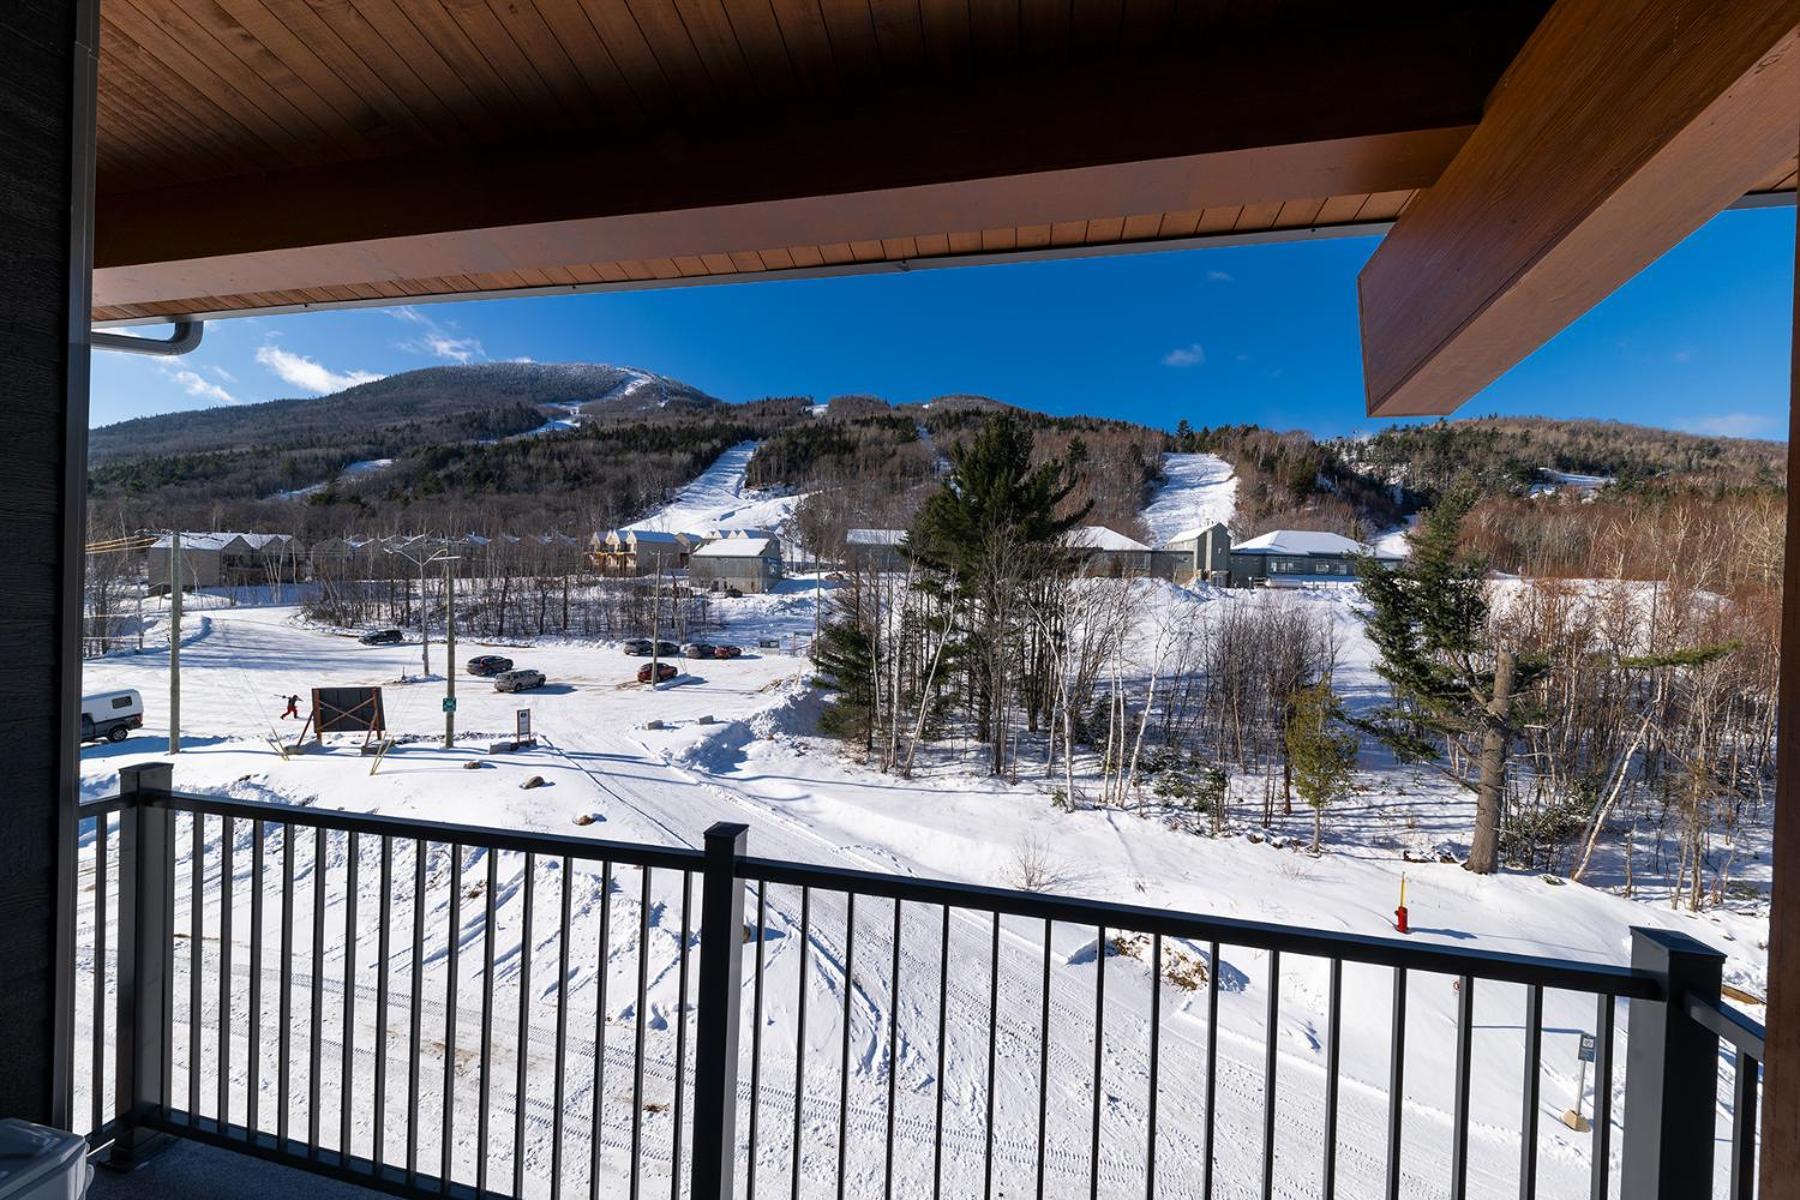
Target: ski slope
760	762
719	499
1198	490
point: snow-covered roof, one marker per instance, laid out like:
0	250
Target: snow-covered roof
1099	537
654	536
875	537
1305	543
1190	535
220	540
737	547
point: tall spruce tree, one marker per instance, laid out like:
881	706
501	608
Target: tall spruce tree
844	655
988	533
1428	618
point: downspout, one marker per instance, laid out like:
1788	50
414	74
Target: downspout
186	338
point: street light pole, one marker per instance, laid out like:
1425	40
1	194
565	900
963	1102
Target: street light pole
424	623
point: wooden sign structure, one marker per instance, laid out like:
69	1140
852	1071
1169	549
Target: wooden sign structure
345	710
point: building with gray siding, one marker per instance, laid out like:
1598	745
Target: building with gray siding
747	564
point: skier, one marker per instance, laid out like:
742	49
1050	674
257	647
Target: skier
293	708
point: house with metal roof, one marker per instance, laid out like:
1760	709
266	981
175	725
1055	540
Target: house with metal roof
746	564
1291	557
875	549
638	551
222	559
1104	551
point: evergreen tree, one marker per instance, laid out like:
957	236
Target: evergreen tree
845	658
988	534
1428	618
993	490
1321	757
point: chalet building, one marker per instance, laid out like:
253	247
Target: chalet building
749	564
875	549
224	560
624	552
1104	551
1291	557
1199	555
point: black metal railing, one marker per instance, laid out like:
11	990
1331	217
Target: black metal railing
442	1009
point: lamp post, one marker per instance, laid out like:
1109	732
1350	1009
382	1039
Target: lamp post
421	561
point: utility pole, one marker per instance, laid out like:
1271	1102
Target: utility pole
655	624
449	654
175	642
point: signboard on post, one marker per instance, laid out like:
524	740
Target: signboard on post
523	732
449	704
348	710
1587	1048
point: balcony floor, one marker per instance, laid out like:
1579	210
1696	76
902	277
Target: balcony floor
197	1172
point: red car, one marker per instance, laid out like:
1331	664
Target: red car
727	651
664	672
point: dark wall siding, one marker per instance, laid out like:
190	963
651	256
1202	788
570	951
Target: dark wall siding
37	190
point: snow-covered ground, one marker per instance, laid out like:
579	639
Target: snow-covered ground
1553	481
719	499
355	470
1198	490
1394	541
760	761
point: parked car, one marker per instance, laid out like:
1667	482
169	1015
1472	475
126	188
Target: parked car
638	647
489	664
381	637
697	650
111	716
522	680
667	650
727	651
664	672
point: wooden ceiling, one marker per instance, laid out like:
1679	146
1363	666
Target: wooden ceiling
258	154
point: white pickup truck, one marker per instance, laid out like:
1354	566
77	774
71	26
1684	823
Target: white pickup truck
111	716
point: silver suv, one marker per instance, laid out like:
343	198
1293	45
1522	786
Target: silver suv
522	680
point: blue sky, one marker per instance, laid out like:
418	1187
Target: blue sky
1265	334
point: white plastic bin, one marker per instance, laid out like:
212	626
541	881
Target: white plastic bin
41	1163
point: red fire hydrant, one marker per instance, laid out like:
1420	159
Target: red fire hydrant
1400	913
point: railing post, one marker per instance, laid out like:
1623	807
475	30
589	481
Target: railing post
716	1040
143	938
1671	1072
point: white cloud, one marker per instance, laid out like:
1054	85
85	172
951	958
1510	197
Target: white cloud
1735	424
222	373
524	358
195	384
1218	277
437	341
453	348
308	375
1191	355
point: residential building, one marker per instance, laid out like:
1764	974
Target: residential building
747	564
625	552
224	560
1104	551
875	549
1291	557
1200	555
